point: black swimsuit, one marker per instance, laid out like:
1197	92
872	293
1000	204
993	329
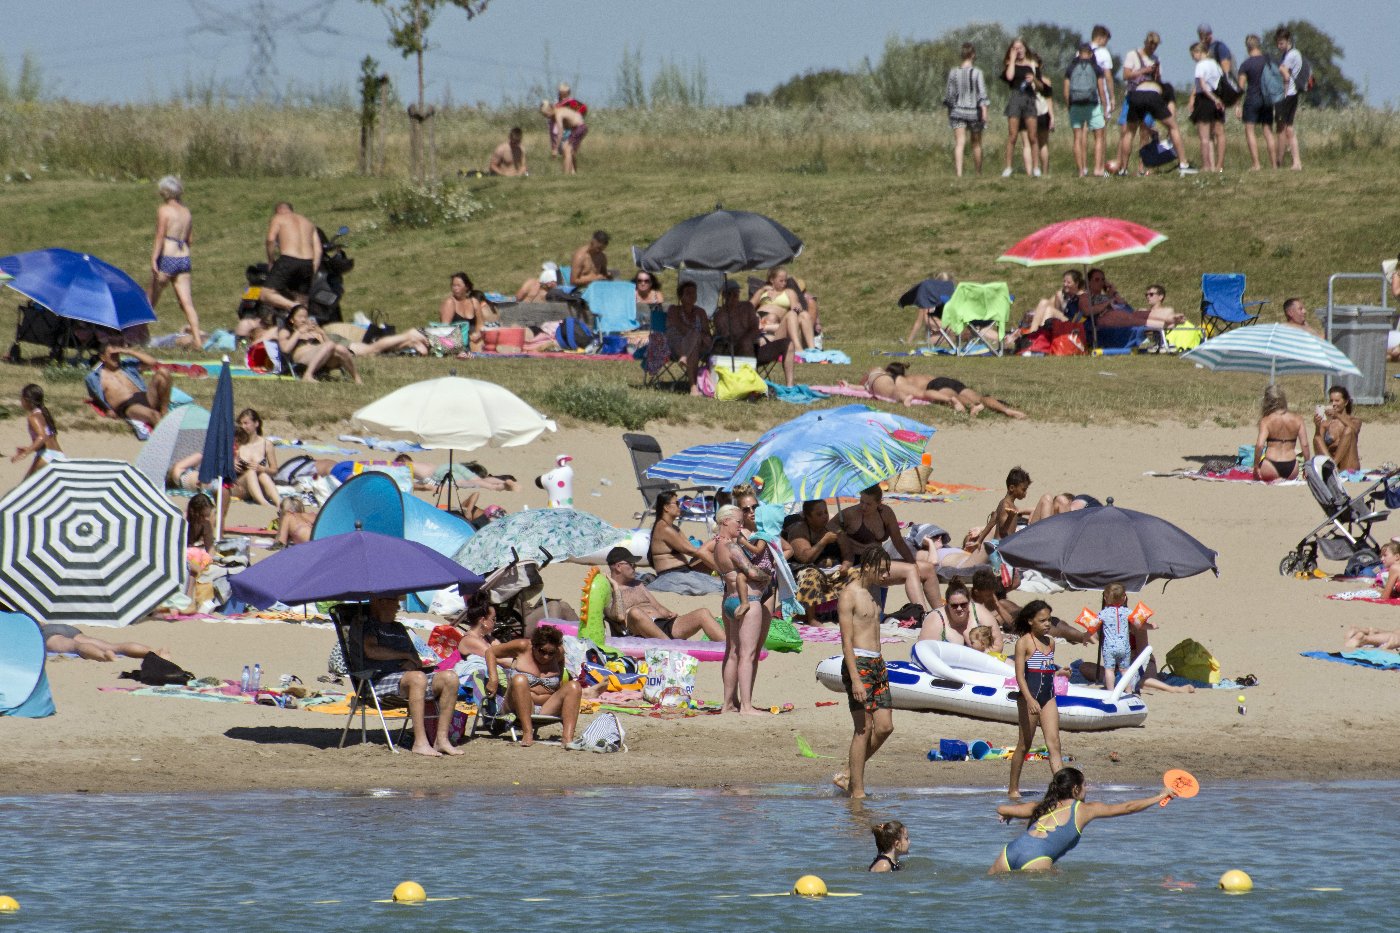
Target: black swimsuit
938	383
894	864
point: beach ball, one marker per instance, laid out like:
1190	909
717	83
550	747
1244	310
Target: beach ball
809	886
410	892
1235	881
8	905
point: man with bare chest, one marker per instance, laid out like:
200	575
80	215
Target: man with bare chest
294	252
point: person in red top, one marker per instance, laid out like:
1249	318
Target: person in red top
566	127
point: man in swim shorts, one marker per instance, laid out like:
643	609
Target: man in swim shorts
125	392
863	669
637	610
294	252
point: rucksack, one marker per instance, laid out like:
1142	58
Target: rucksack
1083	82
1227	90
1271	83
573	334
1303	81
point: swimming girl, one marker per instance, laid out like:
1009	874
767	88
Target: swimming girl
43	433
1035	680
892	841
1055	822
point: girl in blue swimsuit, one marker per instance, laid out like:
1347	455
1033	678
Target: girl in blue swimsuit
1055	822
1035	681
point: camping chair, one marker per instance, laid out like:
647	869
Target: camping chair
1118	341
645	453
931	295
1223	306
974	307
613	306
658	362
493	718
349	621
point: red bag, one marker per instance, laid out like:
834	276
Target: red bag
1067	339
443	640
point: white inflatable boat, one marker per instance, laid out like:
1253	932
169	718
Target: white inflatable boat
946	678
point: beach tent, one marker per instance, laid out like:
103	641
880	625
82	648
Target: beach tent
24	687
179	434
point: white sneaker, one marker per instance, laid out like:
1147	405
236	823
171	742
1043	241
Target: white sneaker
1186	169
1035	174
1006	172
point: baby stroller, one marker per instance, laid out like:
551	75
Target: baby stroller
1346	534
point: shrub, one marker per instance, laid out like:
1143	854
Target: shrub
410	205
604	404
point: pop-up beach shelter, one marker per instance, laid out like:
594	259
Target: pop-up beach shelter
24	687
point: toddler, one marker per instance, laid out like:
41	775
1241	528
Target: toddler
980	637
1114	638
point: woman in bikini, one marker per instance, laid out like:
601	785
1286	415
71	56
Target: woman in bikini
1062	306
892	384
307	344
743	612
958	616
536	684
1282	437
170	257
869	522
781	313
1336	430
465	306
680	566
254	461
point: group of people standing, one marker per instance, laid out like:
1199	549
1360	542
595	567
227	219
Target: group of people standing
1264	93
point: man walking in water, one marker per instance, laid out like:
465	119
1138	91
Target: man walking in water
863	669
294	252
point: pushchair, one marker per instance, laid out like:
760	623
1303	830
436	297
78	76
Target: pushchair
1346	533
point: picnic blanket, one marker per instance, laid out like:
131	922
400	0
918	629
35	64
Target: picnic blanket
797	394
1373	658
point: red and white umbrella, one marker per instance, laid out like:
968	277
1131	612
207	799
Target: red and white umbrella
1083	241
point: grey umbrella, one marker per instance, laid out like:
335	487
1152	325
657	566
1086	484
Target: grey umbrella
726	241
1094	547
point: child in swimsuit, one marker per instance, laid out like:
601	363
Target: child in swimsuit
43	433
1115	648
1056	821
1035	682
891	841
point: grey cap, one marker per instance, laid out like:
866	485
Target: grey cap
1204	30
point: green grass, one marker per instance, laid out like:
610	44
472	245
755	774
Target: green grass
871	194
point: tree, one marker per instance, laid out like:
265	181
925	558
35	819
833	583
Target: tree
1324	55
408	28
1056	45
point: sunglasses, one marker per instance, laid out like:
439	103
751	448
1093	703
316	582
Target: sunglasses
748	508
958	606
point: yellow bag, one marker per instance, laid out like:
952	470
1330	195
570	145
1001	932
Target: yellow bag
733	386
1192	660
1184	337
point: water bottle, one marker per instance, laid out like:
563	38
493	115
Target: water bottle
246	679
256	680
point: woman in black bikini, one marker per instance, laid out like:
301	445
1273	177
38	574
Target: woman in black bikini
254	461
680	566
894	383
302	339
869	522
1282	437
466	306
974	400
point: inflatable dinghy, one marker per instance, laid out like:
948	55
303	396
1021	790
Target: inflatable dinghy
947	678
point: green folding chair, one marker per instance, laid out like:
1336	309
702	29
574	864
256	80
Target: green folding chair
975	308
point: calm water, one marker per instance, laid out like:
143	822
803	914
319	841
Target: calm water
635	860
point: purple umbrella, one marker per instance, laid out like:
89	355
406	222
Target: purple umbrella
358	565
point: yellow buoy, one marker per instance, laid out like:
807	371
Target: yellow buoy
809	886
8	905
410	892
1235	881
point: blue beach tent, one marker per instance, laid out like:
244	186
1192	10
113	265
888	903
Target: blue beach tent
24	687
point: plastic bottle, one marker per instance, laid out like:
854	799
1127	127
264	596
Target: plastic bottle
256	680
245	680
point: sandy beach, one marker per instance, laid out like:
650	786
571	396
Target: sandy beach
1306	719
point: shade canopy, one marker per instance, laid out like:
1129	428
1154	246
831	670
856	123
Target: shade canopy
178	435
455	413
725	241
538	535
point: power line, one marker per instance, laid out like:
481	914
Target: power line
261	25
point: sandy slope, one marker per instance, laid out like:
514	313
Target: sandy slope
1307	719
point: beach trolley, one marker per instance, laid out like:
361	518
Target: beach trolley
945	678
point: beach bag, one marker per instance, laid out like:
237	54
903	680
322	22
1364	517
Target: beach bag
159	672
573	334
783	636
455	732
1271	83
443	338
1303	81
612	345
670	677
1184	337
1192	660
1227	90
737	385
1067	339
443	640
1157	153
604	734
1083	83
912	481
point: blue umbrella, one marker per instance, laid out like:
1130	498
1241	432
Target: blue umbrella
218	440
704	464
831	452
355	566
80	287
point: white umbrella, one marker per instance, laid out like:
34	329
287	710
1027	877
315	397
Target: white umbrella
1276	349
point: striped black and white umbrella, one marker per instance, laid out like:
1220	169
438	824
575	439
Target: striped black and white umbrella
89	542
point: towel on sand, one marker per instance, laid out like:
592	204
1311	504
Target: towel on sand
1361	657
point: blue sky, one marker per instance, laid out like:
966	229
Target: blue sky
139	50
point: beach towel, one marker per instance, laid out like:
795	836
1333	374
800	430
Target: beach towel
851	391
1362	657
374	443
1232	475
1364	596
311	447
614	306
797	395
940	350
836	357
550	355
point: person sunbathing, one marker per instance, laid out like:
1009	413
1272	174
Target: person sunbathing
308	345
781	311
67	639
893	384
1282	438
974	401
1371	638
412	341
125	393
294	525
638	612
1107	308
398	670
536	683
536	289
1061	306
737	331
1388	579
1336	430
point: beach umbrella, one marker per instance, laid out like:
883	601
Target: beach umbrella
831	452
1276	349
701	465
178	435
538	535
355	566
217	464
930	293
79	287
725	241
1085	240
90	542
1094	547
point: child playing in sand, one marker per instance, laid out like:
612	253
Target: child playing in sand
863	673
892	841
199	522
43	433
1035	680
1115	642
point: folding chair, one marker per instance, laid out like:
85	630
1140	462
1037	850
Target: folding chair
974	307
932	294
349	621
658	362
645	453
493	718
1223	306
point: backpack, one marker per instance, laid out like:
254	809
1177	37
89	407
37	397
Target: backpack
1303	81
1227	90
1271	83
573	334
1083	83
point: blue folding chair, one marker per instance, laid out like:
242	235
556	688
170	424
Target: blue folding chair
1223	306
